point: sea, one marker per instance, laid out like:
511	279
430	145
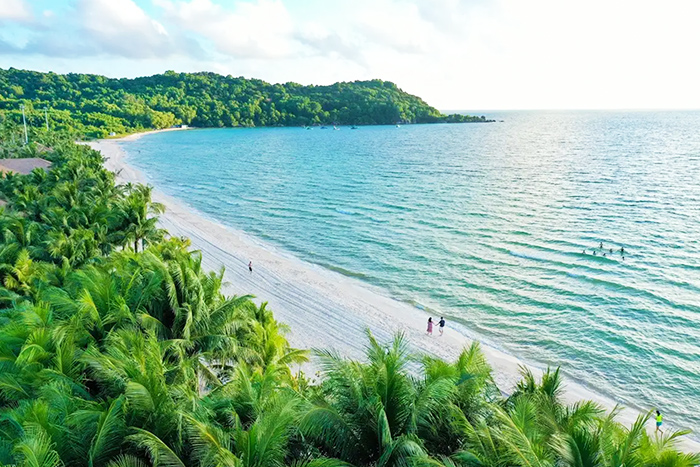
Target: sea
496	226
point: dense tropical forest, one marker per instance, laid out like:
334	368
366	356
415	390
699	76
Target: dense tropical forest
95	106
118	349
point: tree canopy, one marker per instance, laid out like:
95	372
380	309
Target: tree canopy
96	106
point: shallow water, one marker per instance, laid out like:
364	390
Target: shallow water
486	224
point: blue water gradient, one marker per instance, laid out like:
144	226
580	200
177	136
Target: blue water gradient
486	224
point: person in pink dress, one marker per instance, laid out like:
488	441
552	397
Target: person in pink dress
430	326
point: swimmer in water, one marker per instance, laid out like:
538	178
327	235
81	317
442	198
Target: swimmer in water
601	245
622	250
611	251
603	254
584	252
594	253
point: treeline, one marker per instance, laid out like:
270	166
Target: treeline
95	106
118	349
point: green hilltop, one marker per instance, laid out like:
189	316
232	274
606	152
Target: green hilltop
95	106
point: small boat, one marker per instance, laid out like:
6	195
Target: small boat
335	127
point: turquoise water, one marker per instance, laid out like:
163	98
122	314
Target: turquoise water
486	223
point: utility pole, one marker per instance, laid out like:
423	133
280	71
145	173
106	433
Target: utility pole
46	114
24	121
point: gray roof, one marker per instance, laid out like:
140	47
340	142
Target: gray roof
23	166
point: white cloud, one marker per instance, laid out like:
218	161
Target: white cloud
319	40
91	28
260	29
15	10
121	27
398	26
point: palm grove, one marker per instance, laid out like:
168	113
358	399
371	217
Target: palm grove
94	106
117	349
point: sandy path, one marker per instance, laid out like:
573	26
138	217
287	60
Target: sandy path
323	308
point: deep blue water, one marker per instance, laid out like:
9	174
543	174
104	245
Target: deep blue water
487	223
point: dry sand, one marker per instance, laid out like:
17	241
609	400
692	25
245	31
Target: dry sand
324	309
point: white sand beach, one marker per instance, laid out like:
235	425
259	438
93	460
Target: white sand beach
322	308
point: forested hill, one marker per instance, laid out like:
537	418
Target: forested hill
96	106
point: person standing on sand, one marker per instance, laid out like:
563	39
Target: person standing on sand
250	267
441	323
430	326
659	422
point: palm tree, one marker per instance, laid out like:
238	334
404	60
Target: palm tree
133	365
36	449
370	414
24	275
19	232
136	210
471	405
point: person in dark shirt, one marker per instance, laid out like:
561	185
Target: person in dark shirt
441	323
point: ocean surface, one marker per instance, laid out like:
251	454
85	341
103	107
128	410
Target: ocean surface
486	224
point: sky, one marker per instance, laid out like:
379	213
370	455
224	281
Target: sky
455	54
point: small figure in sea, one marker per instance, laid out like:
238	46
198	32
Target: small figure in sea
603	254
623	258
611	251
441	323
601	245
659	422
622	250
430	326
250	266
594	253
584	252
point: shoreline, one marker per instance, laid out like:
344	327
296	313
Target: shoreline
323	308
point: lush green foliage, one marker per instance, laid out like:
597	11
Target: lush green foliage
96	106
117	349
